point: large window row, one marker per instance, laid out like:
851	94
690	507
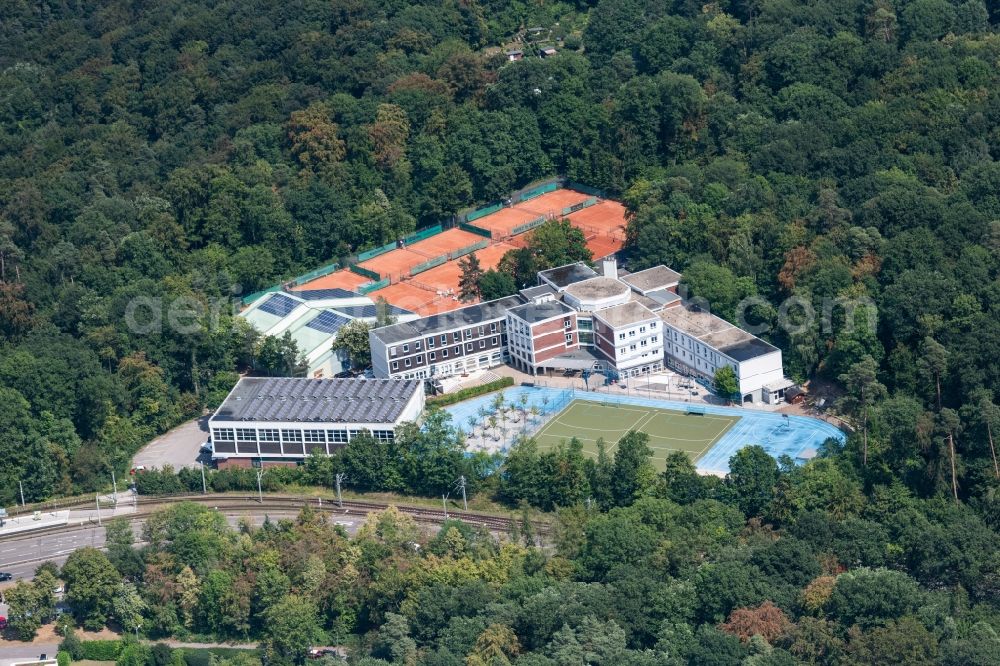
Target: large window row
293	436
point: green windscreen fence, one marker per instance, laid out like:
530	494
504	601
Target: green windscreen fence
471	228
587	203
528	226
373	286
483	212
312	275
586	189
366	272
461	252
369	254
538	191
429	264
423	234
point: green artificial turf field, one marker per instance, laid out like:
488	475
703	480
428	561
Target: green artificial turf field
668	430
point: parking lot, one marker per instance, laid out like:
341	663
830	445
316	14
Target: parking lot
179	448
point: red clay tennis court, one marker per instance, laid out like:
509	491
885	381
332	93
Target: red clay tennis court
342	279
502	222
395	264
445	243
446	276
606	217
415	299
551	203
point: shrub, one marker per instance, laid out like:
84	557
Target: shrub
471	392
100	650
71	644
63	658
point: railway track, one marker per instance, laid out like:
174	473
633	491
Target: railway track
146	505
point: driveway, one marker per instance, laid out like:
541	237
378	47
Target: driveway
178	448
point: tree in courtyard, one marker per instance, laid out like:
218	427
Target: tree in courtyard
494	284
352	339
279	356
557	243
468	283
725	382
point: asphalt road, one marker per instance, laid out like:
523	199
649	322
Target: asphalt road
179	447
9	655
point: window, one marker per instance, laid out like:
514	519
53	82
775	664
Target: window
392	351
481	330
458	350
416	346
351	434
407	363
631	333
631	348
430	343
468	346
643	343
432	356
420	358
395	365
246	434
569	339
291	435
314	436
642	329
468	333
444	338
456	336
267	434
493	340
566	322
336	436
652	326
224	434
655	338
482	344
444	353
406	348
493	327
384	435
621	336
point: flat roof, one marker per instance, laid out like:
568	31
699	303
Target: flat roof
657	277
716	332
536	312
563	276
293	399
625	314
446	321
597	287
535	292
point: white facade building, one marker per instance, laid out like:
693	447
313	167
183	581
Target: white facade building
283	419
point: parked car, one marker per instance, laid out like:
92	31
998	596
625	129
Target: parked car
3	622
6	576
207	446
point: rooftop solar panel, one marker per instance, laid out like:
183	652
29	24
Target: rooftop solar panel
363	311
327	322
320	294
279	305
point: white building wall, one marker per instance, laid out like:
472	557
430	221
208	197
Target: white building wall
757	372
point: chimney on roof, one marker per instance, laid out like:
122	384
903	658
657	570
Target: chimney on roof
609	267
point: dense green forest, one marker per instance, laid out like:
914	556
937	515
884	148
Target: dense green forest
159	158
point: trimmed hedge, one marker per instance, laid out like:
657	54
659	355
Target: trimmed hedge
471	392
100	650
